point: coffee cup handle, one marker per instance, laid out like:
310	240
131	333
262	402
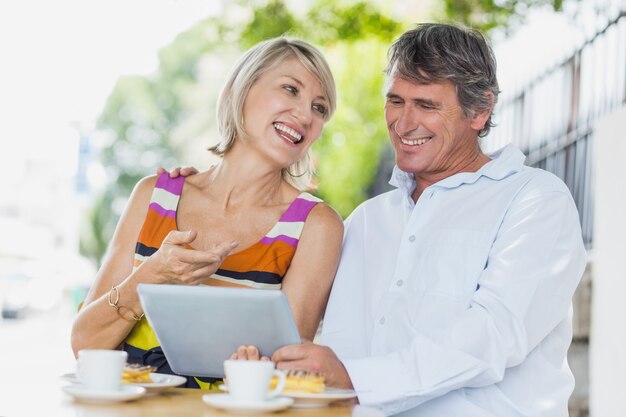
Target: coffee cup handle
282	379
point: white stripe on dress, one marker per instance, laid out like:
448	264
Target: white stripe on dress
165	199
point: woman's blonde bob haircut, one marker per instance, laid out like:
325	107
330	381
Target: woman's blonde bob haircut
248	69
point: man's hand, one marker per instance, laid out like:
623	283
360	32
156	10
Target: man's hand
175	172
314	358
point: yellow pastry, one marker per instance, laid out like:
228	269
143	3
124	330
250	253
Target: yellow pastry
301	381
137	373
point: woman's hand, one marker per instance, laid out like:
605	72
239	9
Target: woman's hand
248	353
176	263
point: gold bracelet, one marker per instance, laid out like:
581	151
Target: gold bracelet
117	307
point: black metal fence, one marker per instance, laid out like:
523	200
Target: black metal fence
552	117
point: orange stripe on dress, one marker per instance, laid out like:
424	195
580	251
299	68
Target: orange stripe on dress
155	229
274	258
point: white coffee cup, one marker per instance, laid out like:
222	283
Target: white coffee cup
250	380
100	369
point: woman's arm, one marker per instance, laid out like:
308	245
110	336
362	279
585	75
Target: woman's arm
310	276
98	324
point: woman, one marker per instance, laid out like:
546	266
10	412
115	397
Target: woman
246	222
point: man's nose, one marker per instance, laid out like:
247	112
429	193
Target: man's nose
407	121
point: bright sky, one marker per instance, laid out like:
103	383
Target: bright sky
61	58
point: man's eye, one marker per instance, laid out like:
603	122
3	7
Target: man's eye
394	101
320	108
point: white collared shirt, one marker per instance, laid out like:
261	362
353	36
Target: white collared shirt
460	304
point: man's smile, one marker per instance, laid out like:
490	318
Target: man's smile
415	142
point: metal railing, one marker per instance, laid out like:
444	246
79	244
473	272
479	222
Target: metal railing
552	117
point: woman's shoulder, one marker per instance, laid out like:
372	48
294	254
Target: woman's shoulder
325	216
143	188
147	183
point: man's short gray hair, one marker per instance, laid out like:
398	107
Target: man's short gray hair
433	53
249	68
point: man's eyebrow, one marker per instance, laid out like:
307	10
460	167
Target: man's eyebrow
425	101
297	81
392	95
420	101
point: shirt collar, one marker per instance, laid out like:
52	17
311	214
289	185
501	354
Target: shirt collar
504	162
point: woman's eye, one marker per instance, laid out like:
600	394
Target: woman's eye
320	108
291	89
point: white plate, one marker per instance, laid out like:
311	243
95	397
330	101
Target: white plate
228	403
125	393
159	381
310	400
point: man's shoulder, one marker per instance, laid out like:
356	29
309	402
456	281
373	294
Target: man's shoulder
540	180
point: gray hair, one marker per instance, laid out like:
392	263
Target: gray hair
440	52
249	68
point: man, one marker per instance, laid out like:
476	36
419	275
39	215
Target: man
453	295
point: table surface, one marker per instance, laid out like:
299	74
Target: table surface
49	399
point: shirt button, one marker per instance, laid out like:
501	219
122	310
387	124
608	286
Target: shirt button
399	283
382	320
412	238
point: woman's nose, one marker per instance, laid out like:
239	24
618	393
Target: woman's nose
302	113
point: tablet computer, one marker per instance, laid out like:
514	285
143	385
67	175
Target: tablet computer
199	327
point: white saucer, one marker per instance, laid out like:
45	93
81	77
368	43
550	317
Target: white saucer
125	393
228	403
310	400
159	381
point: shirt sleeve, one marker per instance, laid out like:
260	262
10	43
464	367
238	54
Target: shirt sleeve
524	293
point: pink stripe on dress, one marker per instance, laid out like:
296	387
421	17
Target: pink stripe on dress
298	210
161	211
172	185
288	240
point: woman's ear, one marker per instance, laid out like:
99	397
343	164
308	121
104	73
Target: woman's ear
479	118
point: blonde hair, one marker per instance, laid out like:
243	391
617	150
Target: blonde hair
249	68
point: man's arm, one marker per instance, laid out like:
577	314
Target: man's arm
525	292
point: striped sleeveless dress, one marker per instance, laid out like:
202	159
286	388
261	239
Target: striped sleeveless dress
262	265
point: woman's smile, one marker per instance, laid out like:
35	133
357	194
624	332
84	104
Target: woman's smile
289	134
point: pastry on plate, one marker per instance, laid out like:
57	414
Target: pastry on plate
135	373
301	382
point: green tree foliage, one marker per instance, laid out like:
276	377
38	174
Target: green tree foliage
153	120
